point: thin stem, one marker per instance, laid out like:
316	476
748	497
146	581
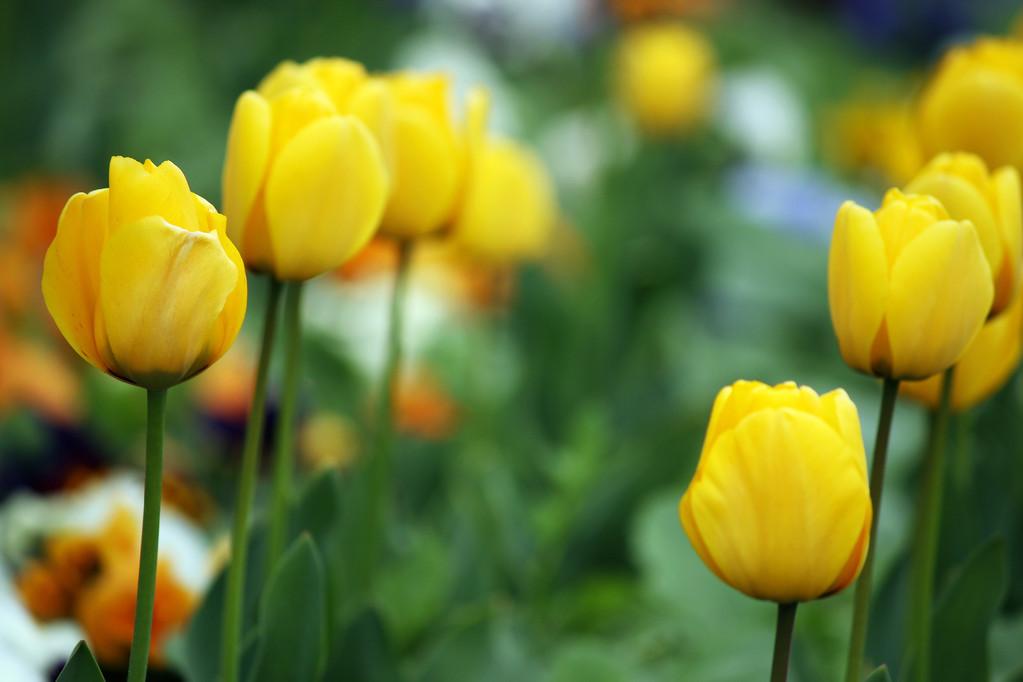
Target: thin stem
379	495
284	446
928	524
156	400
861	607
234	602
783	641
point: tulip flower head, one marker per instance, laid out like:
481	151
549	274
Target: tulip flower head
908	287
432	153
665	77
991	201
305	179
509	209
141	278
988	364
779	507
974	103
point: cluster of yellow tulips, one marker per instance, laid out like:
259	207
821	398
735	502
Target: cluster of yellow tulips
924	294
147	281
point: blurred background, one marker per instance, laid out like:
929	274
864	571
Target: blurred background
551	412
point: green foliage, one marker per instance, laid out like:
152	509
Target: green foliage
292	642
81	666
880	675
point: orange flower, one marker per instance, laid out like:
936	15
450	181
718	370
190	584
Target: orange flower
423	408
106	611
225	389
37	378
378	256
636	10
41	592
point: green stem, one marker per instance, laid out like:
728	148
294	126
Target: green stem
925	546
156	400
378	495
861	607
783	641
234	601
284	446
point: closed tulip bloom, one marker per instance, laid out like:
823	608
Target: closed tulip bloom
431	153
908	287
779	506
509	209
665	77
141	278
988	364
991	201
974	103
305	179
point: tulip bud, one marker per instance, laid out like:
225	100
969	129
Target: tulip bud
908	287
141	278
431	154
988	364
974	103
508	210
305	179
779	507
665	77
962	184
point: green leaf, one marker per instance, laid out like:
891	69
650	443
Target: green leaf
292	618
81	667
964	612
880	675
197	651
412	590
363	652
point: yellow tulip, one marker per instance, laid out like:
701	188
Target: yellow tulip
908	287
141	278
431	153
509	209
305	179
989	362
962	184
779	507
876	134
665	77
974	103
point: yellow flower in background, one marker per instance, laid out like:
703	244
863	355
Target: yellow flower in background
665	77
974	103
141	278
305	178
779	506
509	208
432	153
991	201
874	133
988	364
908	287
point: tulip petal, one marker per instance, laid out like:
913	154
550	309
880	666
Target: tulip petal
324	197
780	508
248	153
71	271
425	182
373	104
140	190
964	201
941	293
162	290
857	283
1008	206
978	110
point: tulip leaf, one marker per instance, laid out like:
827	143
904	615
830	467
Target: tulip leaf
362	652
197	651
81	666
292	618
964	612
880	675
